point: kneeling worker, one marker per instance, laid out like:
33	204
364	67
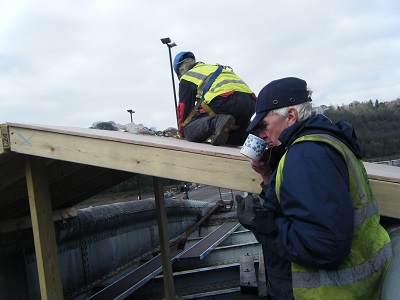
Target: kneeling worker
213	102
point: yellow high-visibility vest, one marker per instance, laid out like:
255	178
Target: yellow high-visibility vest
361	274
226	82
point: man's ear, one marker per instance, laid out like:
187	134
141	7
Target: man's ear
293	116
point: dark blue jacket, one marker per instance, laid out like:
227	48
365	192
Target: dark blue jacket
314	219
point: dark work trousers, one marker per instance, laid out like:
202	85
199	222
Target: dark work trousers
239	105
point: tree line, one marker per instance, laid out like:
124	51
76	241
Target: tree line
377	126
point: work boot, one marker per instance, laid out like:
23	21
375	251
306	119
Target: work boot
222	128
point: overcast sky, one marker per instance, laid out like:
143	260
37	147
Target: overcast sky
72	63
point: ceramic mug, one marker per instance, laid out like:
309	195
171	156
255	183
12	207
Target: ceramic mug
254	147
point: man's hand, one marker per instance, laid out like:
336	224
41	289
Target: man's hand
255	217
245	211
264	221
261	168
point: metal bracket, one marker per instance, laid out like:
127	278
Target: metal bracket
226	205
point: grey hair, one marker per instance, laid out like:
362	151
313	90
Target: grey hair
185	66
304	109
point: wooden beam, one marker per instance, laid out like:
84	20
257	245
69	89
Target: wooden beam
168	277
226	169
388	197
43	229
170	158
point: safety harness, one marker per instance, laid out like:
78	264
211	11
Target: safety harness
200	101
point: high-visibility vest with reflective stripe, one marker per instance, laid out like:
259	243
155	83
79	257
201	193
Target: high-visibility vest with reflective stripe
226	82
360	275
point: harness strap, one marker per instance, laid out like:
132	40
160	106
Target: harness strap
189	117
210	82
207	109
200	102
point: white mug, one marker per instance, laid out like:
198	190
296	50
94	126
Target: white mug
254	147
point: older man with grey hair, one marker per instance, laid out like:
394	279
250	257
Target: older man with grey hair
318	222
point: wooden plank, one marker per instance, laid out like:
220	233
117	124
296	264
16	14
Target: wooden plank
163	234
183	163
43	230
382	172
375	171
388	197
130	138
172	158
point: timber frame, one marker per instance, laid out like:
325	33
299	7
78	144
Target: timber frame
45	168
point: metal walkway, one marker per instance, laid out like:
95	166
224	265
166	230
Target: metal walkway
134	280
210	266
211	241
211	253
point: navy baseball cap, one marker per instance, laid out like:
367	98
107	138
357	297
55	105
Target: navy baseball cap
279	93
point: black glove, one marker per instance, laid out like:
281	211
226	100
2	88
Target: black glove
255	217
264	221
245	212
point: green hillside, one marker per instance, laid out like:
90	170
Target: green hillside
377	125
